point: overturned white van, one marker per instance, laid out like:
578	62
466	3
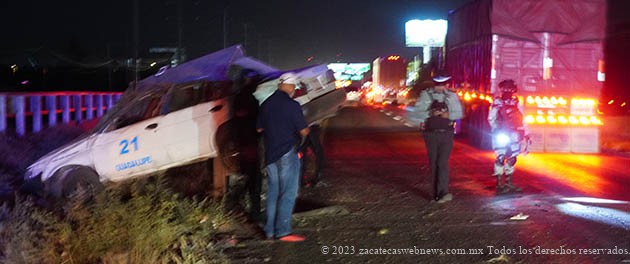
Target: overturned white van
175	118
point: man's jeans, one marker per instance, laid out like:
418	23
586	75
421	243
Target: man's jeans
283	178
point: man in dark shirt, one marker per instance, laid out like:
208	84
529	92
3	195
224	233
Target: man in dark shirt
283	126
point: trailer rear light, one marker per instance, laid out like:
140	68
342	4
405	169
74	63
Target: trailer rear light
467	97
596	121
530	119
561	101
530	100
545	101
583	102
562	120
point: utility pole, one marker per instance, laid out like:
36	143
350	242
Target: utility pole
136	32
245	36
225	31
180	25
109	68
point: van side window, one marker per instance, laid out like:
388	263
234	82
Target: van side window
190	95
216	90
142	109
181	97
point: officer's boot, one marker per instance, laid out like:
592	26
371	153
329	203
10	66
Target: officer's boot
509	185
500	186
498	172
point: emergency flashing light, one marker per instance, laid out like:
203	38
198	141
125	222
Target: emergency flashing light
393	58
611	102
563	120
502	139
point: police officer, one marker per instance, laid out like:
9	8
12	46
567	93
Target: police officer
508	133
438	108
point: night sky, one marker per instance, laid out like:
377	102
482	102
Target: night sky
282	33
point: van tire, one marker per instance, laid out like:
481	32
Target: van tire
68	181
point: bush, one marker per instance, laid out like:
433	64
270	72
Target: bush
148	224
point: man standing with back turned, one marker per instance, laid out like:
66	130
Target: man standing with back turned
438	109
283	126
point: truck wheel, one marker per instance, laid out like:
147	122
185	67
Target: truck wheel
75	182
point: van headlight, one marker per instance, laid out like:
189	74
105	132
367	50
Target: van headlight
32	173
29	174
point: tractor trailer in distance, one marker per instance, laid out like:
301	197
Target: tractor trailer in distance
389	75
553	50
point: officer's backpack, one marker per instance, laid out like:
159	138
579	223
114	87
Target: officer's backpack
509	116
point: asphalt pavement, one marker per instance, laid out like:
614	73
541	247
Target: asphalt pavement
374	205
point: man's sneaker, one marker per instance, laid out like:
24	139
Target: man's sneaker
292	238
445	198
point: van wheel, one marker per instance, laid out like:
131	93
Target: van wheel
75	183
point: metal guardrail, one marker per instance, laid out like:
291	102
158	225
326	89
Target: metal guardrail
18	108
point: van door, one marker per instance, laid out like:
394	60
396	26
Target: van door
193	114
131	143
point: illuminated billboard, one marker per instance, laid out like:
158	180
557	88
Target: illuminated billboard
425	33
349	71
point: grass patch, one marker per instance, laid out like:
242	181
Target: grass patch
149	224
